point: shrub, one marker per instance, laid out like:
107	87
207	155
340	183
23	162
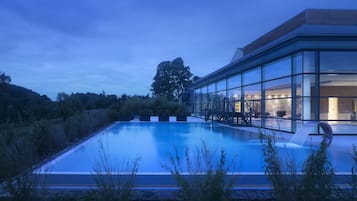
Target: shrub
43	137
285	188
205	178
113	182
316	182
17	152
318	175
85	123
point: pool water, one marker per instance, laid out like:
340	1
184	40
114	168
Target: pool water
152	143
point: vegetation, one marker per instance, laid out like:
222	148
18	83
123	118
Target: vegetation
314	183
32	128
171	80
128	107
113	187
202	179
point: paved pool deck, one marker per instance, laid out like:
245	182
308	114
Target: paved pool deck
339	142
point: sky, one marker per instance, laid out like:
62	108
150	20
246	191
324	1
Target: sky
52	46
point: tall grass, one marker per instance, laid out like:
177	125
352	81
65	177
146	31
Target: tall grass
17	156
204	177
315	181
115	182
22	146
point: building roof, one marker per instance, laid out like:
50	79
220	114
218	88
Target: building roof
312	23
307	17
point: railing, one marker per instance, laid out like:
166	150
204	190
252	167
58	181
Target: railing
215	111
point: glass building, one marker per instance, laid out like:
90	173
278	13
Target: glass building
303	70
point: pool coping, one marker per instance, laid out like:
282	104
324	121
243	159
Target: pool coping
164	186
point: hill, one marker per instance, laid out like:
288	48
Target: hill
21	104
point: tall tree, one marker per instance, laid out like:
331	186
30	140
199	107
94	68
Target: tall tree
171	79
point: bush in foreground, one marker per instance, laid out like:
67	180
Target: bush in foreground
203	178
114	182
314	183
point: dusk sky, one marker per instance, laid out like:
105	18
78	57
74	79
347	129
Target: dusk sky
52	46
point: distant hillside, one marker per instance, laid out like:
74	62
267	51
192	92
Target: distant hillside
21	104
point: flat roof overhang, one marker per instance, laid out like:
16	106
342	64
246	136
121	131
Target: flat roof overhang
306	37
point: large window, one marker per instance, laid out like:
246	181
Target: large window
234	81
280	88
198	101
234	94
204	104
277	69
338	96
305	85
309	62
338	90
211	88
278	104
252	76
252	92
297	63
221	85
338	62
252	103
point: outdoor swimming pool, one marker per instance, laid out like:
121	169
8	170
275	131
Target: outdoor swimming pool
152	143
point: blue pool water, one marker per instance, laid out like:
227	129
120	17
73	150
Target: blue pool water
152	143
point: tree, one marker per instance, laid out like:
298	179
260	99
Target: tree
171	79
5	79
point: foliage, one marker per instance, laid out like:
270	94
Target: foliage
354	177
23	146
4	79
205	177
350	193
171	79
129	106
17	155
68	105
314	183
318	175
16	150
18	104
284	188
114	183
163	106
26	187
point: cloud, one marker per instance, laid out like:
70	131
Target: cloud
93	45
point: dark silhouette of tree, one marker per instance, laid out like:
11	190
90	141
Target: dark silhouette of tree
5	79
195	78
171	79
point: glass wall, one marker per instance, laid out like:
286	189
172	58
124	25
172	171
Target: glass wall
277	69
197	101
234	92
278	93
338	90
252	103
221	95
252	76
287	93
252	95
